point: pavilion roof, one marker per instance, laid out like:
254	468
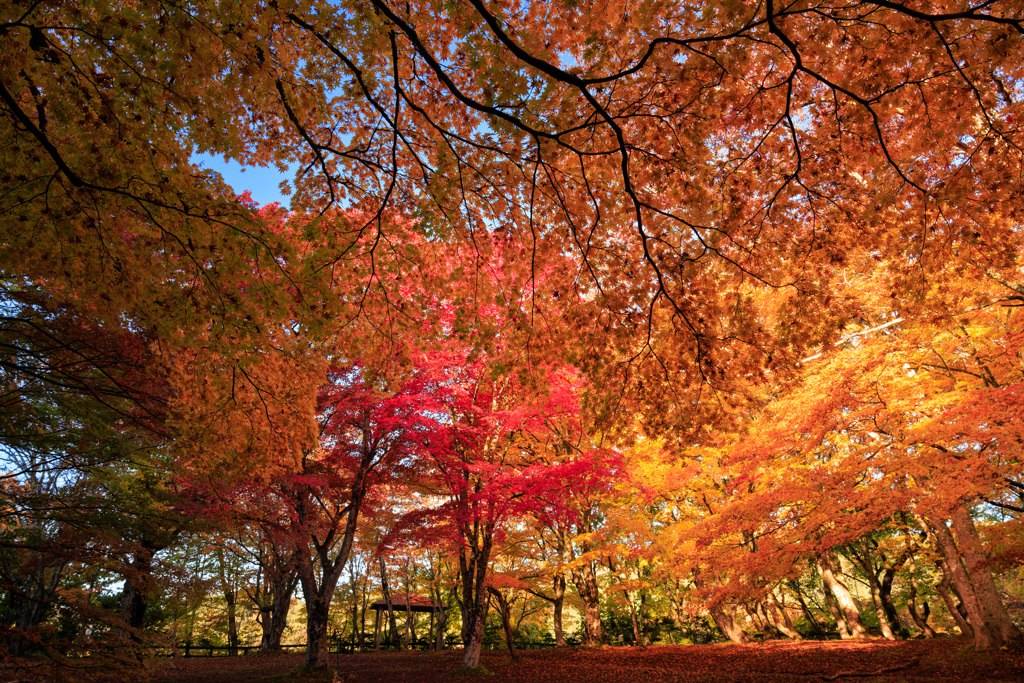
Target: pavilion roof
417	603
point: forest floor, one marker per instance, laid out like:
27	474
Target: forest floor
943	659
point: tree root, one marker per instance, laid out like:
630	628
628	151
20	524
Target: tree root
877	672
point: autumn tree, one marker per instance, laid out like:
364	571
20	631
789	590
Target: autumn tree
489	450
545	576
483	471
84	440
273	586
365	436
877	434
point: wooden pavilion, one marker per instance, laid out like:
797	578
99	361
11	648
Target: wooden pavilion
416	603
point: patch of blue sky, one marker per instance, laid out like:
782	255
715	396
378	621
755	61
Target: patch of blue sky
263	182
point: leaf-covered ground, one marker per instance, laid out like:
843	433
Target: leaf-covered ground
934	660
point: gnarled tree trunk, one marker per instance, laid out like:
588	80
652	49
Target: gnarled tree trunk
725	618
954	607
781	620
135	598
851	613
965	559
885	595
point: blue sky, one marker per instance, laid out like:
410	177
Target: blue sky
261	181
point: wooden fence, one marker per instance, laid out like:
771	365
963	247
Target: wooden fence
203	650
215	650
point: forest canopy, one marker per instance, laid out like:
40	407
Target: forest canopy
696	317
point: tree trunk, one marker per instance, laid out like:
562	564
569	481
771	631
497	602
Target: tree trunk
442	623
357	632
505	610
229	598
885	595
842	596
880	588
136	589
475	640
319	596
229	590
133	603
473	564
440	616
585	580
965	560
844	631
1004	633
274	615
951	606
760	617
317	619
725	619
279	623
362	616
876	600
392	625
318	603
724	615
864	558
265	619
557	600
919	621
780	619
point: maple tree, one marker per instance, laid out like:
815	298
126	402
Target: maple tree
365	437
253	547
485	468
500	429
869	437
275	583
84	425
